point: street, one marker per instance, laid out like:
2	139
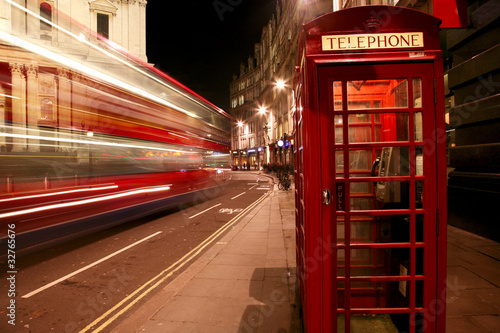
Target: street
73	286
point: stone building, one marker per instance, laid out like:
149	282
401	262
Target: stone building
261	97
474	118
36	91
120	21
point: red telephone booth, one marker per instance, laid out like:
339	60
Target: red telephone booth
370	171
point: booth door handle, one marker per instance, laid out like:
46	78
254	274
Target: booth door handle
327	198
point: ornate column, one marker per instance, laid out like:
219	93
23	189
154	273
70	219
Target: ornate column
3	146
142	27
32	105
64	114
18	106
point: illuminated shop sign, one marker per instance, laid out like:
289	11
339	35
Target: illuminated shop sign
251	151
395	40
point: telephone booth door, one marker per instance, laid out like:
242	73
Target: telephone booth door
381	218
380	130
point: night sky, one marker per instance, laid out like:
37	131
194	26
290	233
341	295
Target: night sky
202	45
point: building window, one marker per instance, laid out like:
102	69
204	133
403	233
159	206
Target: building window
241	100
45	13
46	109
103	25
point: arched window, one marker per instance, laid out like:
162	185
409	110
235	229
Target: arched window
46	13
46	109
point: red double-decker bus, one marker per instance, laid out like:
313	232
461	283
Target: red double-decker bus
91	137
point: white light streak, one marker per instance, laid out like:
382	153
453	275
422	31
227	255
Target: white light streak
60	193
10	96
87	142
92	72
85	201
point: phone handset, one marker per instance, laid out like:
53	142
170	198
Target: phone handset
374	167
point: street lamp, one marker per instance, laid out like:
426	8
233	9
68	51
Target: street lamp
280	84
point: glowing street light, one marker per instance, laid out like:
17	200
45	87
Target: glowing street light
240	123
280	84
262	110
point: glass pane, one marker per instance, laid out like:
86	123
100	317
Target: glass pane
339	133
361	203
341	322
370	262
337	95
340	229
360	133
377	94
340	262
419	294
378	229
360	161
420	229
399	293
419	263
419	195
367	127
393	195
373	323
380	195
393	294
418	126
394	161
417	93
339	163
382	262
403	321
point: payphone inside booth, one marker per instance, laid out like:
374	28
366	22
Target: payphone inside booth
370	172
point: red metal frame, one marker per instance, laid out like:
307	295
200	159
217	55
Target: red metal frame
329	289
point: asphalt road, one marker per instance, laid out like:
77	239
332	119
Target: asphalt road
73	286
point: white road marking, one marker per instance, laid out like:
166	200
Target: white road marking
238	195
204	211
88	266
230	210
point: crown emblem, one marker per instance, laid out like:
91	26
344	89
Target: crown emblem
372	24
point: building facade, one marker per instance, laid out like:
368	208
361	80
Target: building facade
37	95
261	96
474	117
471	73
120	21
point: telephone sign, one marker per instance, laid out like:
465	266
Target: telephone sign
373	41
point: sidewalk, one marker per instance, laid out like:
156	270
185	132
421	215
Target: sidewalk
245	283
473	290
